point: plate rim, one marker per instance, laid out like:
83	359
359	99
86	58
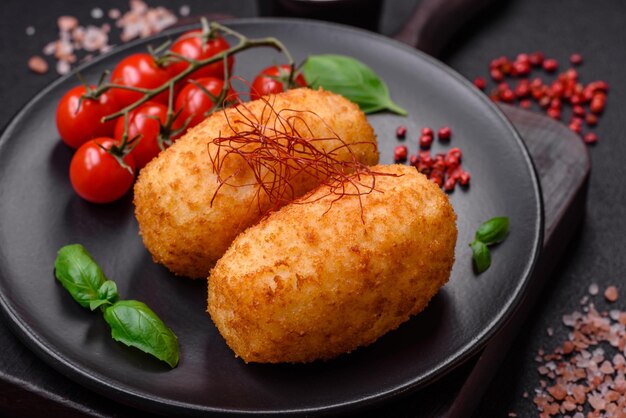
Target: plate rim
51	356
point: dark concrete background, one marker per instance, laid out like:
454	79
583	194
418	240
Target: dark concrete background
557	27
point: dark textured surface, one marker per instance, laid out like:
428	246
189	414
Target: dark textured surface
558	27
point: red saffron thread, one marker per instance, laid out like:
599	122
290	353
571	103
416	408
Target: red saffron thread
278	147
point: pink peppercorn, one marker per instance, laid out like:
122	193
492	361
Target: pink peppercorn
401	132
444	133
576	59
427	131
536	59
426	141
400	154
480	83
550	65
590	138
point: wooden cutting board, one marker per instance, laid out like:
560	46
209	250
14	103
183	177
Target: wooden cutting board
562	162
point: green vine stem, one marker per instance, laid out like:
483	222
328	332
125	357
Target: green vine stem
244	43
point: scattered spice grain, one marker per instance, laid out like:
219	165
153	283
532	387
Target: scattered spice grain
585	375
38	65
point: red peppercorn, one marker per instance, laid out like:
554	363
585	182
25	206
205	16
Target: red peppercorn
545	101
448	186
576	59
401	132
426	141
557	89
571	74
597	103
526	104
576	121
522	89
536	59
521	68
578	111
575	127
439	162
496	75
575	99
554	113
590	138
427	131
555	103
464	178
444	133
550	65
456	151
591	119
414	160
437	177
507	96
480	82
400	153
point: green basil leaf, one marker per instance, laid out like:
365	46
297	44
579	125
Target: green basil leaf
493	231
352	79
481	256
107	295
79	273
136	325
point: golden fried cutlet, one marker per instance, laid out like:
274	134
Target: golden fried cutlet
312	281
181	226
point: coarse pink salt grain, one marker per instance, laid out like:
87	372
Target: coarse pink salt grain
586	373
38	65
594	289
611	294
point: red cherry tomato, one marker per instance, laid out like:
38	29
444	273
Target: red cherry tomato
96	175
190	45
77	125
139	70
273	80
144	121
195	103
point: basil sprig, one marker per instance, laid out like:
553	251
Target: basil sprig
489	233
132	322
352	79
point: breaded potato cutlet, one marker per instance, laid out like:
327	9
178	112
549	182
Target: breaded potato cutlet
315	280
186	226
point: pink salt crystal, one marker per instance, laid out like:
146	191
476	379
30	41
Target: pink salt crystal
95	39
114	14
611	294
67	23
596	402
63	67
557	391
594	289
38	65
606	368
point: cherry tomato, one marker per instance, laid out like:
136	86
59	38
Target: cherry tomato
96	175
190	45
273	80
144	121
139	70
195	103
77	125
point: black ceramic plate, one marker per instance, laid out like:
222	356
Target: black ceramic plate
39	213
